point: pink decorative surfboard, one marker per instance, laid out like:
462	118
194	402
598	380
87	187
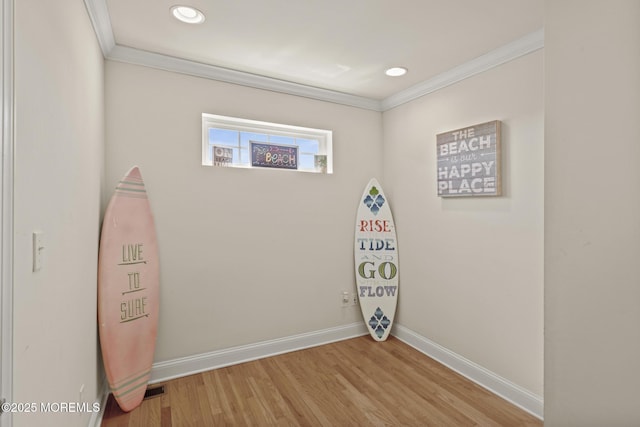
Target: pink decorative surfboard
128	291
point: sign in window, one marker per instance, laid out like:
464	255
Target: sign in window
243	143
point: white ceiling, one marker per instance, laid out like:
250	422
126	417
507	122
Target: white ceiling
338	45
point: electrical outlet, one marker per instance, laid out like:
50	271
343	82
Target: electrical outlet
354	298
345	298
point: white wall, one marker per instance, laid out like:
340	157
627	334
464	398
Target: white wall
592	213
246	255
59	133
471	269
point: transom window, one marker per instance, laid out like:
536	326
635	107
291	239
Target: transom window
243	143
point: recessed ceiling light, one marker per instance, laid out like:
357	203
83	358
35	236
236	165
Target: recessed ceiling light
187	14
396	71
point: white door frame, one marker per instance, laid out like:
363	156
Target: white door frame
6	211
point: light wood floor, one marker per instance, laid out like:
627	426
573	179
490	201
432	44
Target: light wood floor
357	382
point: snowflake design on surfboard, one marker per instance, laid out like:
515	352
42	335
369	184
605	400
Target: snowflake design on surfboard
374	200
379	322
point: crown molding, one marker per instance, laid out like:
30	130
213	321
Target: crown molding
99	15
198	69
521	47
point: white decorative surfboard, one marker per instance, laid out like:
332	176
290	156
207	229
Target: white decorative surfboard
376	261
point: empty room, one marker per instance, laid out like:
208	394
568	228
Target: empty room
405	213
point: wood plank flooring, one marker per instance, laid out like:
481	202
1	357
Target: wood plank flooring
356	382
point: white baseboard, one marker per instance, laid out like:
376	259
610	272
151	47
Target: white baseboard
103	395
176	368
509	391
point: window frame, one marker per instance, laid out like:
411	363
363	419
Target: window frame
323	136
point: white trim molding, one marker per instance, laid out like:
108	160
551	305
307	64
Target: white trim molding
99	15
212	72
521	47
176	368
189	365
102	397
6	206
499	386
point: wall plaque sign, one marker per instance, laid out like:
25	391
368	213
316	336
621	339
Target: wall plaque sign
222	156
274	156
469	161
